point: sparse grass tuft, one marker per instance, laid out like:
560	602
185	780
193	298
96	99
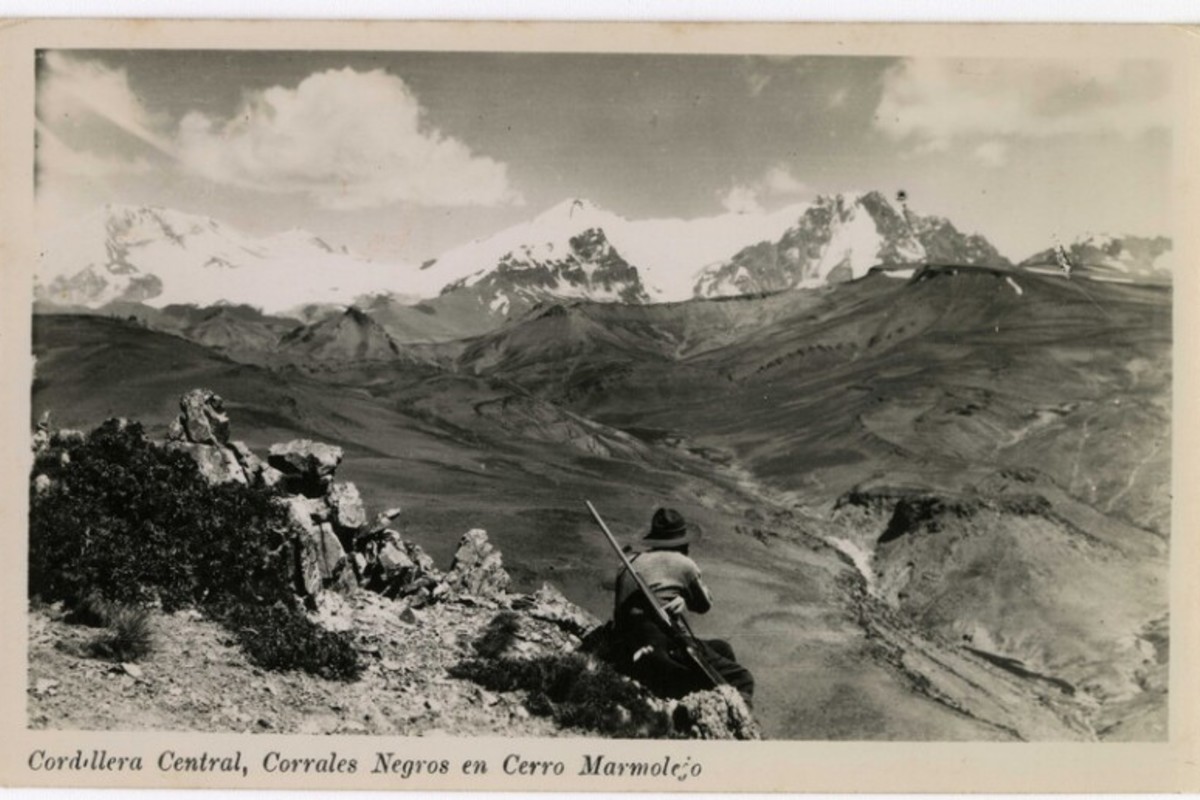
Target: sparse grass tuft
498	635
126	637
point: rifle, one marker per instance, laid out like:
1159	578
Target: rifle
680	630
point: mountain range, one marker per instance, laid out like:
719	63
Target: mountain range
931	508
575	250
1105	257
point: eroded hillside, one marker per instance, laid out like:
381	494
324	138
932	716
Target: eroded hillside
910	491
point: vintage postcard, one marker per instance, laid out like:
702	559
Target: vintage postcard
599	407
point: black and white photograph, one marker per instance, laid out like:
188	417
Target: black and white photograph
607	395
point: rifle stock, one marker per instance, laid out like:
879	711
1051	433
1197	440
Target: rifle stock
682	633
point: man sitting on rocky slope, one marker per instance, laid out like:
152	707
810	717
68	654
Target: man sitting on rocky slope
646	650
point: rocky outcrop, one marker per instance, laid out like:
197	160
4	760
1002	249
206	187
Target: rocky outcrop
202	419
396	568
257	471
324	518
347	505
477	569
202	431
365	578
551	605
216	463
306	466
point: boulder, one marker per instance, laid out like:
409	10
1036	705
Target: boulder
396	568
394	563
322	562
307	466
719	713
270	477
424	561
550	605
347	504
216	464
308	562
477	568
203	418
383	518
333	556
305	512
249	461
175	431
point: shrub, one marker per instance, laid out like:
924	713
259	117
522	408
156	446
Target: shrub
279	638
576	690
124	521
136	523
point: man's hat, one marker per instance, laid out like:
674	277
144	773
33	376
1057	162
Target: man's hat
667	529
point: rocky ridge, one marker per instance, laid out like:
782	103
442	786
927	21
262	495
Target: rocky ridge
1126	258
840	238
416	625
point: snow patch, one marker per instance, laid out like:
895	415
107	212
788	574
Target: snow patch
1016	287
855	243
499	304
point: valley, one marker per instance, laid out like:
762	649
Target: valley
933	507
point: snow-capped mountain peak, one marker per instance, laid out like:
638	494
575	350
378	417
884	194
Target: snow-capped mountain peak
668	253
841	237
161	256
1109	256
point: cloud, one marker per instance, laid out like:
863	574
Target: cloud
740	200
933	103
747	198
90	100
992	153
344	138
56	159
779	181
347	139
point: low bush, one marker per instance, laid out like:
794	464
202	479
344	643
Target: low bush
278	638
124	521
134	523
574	689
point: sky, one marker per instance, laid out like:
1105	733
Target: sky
404	155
